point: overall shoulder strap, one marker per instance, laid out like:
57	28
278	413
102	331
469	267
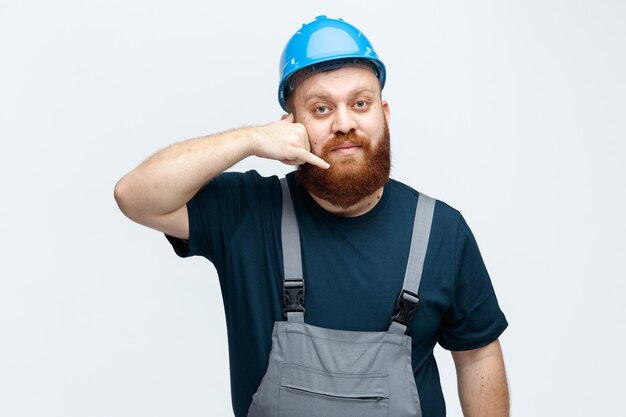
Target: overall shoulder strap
293	282
408	298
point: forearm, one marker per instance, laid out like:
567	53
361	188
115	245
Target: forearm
170	178
482	384
155	193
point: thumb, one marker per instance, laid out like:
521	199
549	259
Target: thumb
287	118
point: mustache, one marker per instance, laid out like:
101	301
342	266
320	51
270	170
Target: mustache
341	137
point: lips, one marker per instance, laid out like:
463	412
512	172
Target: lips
345	145
346	149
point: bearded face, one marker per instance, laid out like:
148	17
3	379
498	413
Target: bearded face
350	178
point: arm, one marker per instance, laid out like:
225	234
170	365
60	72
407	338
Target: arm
155	193
482	384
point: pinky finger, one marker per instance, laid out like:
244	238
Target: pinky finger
316	160
291	162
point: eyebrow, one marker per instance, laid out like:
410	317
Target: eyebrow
325	96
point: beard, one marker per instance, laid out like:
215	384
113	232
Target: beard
349	178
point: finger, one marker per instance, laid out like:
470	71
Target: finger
315	160
291	162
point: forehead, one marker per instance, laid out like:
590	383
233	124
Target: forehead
337	83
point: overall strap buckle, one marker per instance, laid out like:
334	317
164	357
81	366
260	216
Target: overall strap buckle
405	307
293	295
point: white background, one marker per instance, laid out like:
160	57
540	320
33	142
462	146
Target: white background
511	111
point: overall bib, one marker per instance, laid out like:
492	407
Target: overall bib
319	372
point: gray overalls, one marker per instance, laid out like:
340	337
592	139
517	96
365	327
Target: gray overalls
318	372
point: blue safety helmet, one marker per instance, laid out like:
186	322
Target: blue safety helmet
322	45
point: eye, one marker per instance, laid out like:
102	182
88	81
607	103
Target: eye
361	104
321	109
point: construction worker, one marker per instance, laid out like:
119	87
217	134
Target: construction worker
337	281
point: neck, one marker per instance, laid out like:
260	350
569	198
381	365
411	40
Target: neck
361	207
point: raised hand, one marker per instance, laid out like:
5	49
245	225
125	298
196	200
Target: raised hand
287	142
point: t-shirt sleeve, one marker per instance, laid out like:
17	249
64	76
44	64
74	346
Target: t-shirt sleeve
215	213
474	318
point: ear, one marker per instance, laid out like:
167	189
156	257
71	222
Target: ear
387	111
284	116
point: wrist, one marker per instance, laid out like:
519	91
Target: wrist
252	140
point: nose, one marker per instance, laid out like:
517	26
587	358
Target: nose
343	120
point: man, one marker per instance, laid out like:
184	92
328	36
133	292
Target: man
356	236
